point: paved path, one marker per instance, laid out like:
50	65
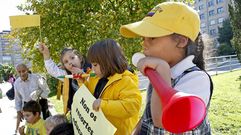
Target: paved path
8	115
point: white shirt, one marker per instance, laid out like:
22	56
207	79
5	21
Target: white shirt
53	69
196	82
23	89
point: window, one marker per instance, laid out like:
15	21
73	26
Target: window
213	32
203	25
219	1
220	20
210	3
202	16
212	22
201	7
220	10
211	13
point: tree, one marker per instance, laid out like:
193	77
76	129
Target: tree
225	35
209	50
80	23
235	17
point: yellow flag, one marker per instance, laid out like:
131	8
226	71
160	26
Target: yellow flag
22	21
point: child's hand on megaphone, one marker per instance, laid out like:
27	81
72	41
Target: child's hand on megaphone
142	62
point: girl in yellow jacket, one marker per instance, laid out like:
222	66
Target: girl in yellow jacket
114	87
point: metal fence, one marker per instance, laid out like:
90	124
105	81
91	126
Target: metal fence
214	66
221	64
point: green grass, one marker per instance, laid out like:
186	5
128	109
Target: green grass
58	104
225	108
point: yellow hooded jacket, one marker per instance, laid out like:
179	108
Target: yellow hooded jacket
120	100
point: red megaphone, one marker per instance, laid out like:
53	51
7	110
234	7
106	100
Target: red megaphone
181	112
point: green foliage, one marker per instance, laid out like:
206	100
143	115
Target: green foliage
79	24
225	33
5	71
53	84
225	49
235	17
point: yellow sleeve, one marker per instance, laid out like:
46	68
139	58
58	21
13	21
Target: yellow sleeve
91	83
43	130
129	102
65	95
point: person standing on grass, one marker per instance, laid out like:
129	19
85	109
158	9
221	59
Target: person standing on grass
173	46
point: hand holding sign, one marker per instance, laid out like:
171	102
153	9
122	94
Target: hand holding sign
96	105
87	121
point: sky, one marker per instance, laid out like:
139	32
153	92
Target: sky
8	8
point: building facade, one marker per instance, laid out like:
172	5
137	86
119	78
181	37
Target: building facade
10	50
212	14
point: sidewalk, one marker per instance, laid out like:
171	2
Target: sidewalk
8	114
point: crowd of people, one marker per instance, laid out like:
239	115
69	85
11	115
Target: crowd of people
172	45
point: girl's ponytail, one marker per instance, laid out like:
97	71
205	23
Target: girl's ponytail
196	48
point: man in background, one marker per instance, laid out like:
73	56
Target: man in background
28	87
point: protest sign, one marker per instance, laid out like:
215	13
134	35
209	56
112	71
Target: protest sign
85	120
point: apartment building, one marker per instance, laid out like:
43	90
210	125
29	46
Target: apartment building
212	14
10	51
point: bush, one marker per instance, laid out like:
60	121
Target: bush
6	71
225	49
52	83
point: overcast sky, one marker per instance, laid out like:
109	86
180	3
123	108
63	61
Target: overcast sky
8	8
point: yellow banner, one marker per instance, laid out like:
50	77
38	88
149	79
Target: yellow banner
22	21
85	120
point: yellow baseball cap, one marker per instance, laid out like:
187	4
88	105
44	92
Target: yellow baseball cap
165	19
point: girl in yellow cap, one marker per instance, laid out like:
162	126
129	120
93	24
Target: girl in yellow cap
173	46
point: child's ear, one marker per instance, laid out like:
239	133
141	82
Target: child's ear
183	41
37	114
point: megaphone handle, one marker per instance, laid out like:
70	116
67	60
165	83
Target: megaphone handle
164	91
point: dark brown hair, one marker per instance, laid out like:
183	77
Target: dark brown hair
63	129
109	55
32	106
194	48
